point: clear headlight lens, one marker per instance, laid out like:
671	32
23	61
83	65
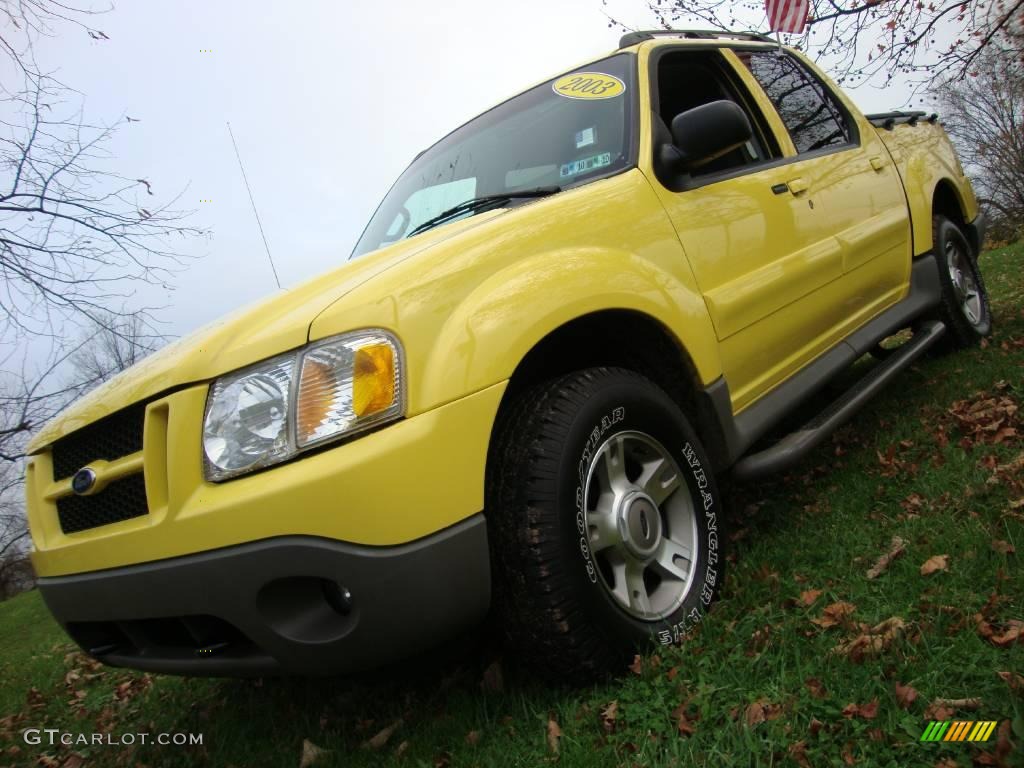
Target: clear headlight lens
261	415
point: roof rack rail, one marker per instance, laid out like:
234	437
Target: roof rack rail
890	120
632	38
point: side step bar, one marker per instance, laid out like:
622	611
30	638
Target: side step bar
796	445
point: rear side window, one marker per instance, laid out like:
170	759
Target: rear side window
812	115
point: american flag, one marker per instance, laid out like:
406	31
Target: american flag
786	15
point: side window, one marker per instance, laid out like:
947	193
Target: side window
808	109
689	79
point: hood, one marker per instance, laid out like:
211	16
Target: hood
263	329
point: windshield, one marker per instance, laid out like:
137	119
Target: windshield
567	131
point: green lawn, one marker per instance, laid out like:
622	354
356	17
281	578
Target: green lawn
774	676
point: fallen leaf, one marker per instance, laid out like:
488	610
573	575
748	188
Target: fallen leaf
809	596
1013	633
683	724
896	548
934	564
73	761
864	711
816	687
609	714
671	674
401	748
1012	679
1003	547
872	641
311	754
762	710
554	735
382	736
473	738
834	614
798	753
754	714
637	667
847	754
905	695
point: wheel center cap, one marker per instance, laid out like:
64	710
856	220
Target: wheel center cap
640	524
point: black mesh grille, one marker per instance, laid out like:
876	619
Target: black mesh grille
114	436
121	500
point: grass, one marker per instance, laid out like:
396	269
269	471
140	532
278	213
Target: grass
759	682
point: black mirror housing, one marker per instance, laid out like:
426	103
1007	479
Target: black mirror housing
703	134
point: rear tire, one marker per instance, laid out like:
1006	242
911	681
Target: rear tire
964	307
605	522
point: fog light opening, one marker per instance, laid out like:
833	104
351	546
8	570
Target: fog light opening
338	597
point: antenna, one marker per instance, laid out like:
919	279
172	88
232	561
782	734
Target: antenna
254	211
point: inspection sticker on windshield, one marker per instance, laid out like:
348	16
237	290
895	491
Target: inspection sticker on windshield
588	85
585	164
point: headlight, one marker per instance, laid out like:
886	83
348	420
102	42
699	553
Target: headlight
269	412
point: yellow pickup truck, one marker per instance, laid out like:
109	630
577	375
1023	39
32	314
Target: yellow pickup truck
568	323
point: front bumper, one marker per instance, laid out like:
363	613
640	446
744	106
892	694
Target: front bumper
293	604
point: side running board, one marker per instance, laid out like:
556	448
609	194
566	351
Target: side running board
796	445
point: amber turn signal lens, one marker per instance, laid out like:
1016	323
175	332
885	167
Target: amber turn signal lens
373	379
313	405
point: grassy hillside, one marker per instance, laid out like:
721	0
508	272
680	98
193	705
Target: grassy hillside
805	661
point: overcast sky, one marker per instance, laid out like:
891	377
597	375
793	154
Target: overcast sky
329	101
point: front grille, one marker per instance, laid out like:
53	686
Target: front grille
121	500
113	436
202	636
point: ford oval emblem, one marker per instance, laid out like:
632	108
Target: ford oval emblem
83	481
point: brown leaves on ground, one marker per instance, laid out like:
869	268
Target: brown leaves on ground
311	754
1012	679
835	614
609	716
872	641
864	711
761	711
554	734
1007	634
905	695
986	417
473	738
684	725
380	739
809	596
816	687
637	667
944	709
896	548
934	564
1003	547
798	754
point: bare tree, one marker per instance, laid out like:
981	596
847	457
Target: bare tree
77	238
113	344
873	40
985	117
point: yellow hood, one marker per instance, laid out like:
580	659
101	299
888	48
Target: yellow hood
263	329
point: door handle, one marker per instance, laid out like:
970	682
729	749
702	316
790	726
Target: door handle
877	163
796	186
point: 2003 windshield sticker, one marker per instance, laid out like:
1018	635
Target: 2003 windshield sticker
585	164
588	85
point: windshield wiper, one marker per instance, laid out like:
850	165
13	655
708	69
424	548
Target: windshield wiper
479	204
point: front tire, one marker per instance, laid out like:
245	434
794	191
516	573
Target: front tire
605	521
964	307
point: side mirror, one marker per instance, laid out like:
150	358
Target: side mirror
703	134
